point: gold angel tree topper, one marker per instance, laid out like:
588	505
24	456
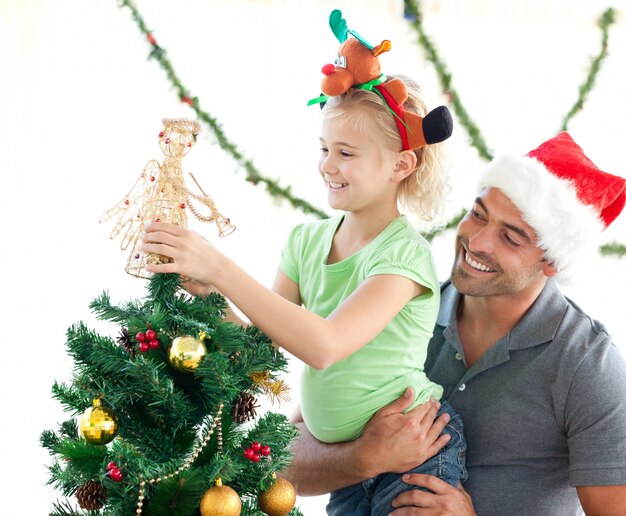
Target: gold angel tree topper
160	194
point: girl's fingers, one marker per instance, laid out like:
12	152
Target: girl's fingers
163	226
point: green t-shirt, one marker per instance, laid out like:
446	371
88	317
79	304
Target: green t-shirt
338	401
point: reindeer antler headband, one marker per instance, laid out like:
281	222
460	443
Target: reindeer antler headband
357	66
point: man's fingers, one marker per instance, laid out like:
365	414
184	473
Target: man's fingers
408	511
414	498
434	484
438	426
398	405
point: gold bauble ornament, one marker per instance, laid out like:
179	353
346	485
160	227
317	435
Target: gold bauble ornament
98	424
220	501
186	353
279	499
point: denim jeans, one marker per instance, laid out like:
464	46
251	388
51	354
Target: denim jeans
374	496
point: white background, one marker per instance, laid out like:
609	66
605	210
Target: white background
81	107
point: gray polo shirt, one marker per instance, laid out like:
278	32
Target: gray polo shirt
544	409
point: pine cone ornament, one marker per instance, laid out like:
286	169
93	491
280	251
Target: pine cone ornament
123	340
91	495
244	408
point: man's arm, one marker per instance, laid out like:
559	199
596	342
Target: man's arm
391	442
603	500
596	423
319	468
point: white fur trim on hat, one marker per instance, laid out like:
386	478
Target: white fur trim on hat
565	227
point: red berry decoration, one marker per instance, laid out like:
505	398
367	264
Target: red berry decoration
151	39
161	134
111	466
141	337
144	346
154	343
116	475
151	335
256	450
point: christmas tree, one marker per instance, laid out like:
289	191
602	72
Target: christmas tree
167	422
167	410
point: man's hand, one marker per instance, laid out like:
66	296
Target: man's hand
395	442
444	499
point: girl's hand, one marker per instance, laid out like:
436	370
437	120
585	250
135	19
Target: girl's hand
195	288
193	256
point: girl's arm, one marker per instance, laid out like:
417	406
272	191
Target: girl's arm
283	285
315	340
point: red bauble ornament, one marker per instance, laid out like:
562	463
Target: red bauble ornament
265	451
154	343
151	335
141	337
255	446
144	346
255	457
111	466
248	454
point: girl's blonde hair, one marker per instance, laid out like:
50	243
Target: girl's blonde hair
423	192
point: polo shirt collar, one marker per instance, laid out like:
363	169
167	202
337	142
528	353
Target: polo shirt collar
539	324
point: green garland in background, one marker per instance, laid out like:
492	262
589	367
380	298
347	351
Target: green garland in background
606	20
252	174
414	16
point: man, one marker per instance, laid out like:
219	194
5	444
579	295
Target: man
539	385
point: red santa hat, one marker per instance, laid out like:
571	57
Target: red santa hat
561	194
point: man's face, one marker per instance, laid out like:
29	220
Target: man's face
496	250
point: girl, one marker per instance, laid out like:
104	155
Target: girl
356	296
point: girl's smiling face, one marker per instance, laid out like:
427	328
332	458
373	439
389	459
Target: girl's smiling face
357	170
